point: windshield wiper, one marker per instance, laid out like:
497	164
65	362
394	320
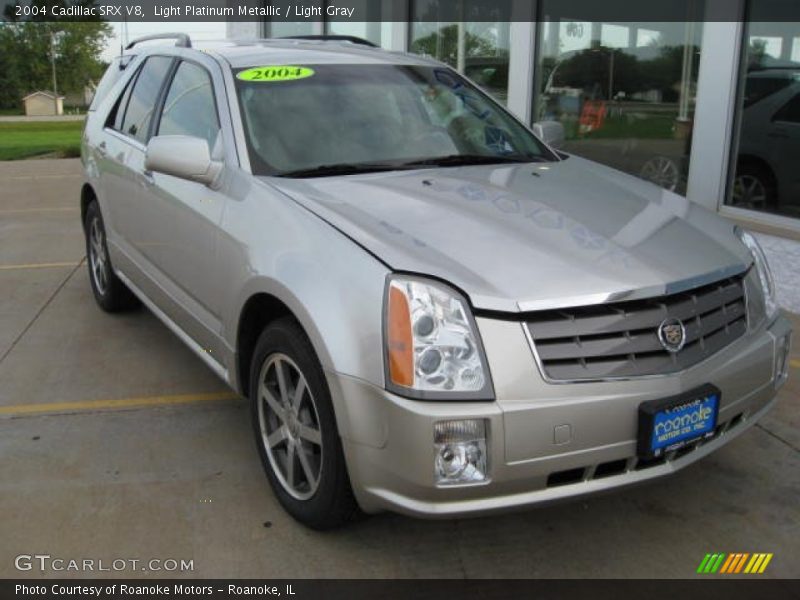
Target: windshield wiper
341	169
457	160
451	160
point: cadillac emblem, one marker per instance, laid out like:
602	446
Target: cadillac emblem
672	334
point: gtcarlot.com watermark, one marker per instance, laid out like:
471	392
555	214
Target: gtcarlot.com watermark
47	563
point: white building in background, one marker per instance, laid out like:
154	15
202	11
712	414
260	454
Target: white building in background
709	110
43	104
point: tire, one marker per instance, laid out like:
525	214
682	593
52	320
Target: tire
754	188
109	292
663	171
298	443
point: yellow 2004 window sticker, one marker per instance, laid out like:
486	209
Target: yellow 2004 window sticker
273	73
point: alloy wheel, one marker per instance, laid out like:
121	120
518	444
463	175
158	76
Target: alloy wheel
749	192
98	259
662	171
290	429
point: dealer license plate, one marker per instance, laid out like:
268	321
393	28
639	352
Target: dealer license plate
672	423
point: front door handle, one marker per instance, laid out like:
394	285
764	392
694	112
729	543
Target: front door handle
146	179
102	150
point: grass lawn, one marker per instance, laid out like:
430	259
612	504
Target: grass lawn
27	139
646	127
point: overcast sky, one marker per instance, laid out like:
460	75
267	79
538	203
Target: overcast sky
197	31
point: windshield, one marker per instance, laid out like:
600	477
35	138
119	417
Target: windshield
315	119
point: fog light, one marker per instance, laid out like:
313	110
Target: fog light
461	455
782	359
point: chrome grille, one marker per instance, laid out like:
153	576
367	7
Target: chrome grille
621	339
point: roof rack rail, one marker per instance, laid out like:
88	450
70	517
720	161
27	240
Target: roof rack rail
183	40
332	38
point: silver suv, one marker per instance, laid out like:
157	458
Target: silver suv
430	309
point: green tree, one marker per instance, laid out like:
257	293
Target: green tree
665	71
443	45
25	56
591	71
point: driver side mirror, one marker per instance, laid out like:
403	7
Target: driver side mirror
550	132
182	156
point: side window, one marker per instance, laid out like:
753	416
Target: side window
143	98
190	108
790	112
114	119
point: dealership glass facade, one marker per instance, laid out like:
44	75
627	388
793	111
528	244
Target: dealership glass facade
624	92
709	110
479	50
766	156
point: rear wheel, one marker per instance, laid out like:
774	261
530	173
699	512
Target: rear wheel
109	292
295	429
754	188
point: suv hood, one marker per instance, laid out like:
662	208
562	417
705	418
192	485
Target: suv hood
526	237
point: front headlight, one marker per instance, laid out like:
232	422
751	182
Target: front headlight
432	347
762	267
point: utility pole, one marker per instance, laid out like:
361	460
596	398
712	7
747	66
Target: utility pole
53	63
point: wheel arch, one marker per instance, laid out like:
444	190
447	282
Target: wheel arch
87	195
261	308
755	160
258	312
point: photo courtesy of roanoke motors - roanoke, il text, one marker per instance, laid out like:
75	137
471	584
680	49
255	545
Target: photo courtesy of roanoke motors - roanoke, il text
153	590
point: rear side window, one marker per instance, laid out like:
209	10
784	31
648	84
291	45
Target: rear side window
790	112
110	77
143	97
190	108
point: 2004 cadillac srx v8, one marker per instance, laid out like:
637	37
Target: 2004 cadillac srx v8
430	309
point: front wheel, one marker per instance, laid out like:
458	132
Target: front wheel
295	429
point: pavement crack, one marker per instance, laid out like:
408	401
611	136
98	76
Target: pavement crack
41	310
777	437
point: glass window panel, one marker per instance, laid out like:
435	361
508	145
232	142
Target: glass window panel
377	29
139	112
574	35
279	29
647	37
614	36
189	108
625	93
479	50
767	45
764	174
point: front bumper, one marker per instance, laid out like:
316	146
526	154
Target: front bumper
388	440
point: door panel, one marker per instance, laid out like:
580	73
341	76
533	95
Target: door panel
124	136
182	217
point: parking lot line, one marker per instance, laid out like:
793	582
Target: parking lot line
97	405
10	211
38	266
26	177
795	363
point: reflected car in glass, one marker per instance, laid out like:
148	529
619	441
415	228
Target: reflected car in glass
766	175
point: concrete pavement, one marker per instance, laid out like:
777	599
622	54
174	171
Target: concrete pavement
106	475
